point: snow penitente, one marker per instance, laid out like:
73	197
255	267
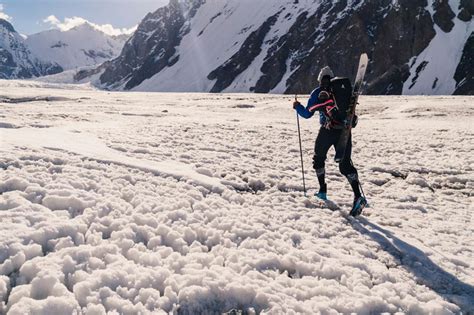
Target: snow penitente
105	209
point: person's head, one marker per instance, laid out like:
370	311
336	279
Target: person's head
325	76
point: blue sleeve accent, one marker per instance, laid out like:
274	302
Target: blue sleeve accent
303	111
313	99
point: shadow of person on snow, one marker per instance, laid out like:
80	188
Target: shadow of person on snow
421	266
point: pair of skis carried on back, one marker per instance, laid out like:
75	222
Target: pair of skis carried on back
346	132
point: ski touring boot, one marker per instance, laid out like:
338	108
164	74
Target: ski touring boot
321	195
359	204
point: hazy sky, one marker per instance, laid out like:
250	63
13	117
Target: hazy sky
27	15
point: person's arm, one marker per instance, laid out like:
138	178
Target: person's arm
305	112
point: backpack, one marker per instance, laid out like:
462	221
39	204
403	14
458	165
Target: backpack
342	89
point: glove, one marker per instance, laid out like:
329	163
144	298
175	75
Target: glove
295	104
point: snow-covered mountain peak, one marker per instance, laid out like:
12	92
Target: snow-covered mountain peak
7	26
85	27
16	59
76	45
81	46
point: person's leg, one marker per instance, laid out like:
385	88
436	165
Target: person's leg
321	147
349	171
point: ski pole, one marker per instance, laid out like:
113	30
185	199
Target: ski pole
301	150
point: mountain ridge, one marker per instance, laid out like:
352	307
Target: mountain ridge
414	46
54	51
81	46
284	48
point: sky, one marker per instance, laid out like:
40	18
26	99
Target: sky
32	16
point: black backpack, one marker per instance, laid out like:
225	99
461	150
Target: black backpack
342	90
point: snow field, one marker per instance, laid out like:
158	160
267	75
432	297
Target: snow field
192	203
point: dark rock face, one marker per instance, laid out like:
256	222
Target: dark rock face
97	54
59	45
342	45
390	35
7	65
153	46
391	82
464	75
443	16
401	35
295	42
251	48
467	10
274	67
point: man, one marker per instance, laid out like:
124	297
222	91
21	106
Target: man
332	120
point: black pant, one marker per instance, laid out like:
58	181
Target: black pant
327	138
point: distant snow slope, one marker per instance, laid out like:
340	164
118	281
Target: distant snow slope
80	46
159	203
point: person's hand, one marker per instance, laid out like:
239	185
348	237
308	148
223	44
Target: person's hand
295	104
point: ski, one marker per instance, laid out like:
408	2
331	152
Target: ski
346	132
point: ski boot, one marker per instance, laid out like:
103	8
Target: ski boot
321	195
359	205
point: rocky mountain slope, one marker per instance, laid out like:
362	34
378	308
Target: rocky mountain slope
415	46
16	59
